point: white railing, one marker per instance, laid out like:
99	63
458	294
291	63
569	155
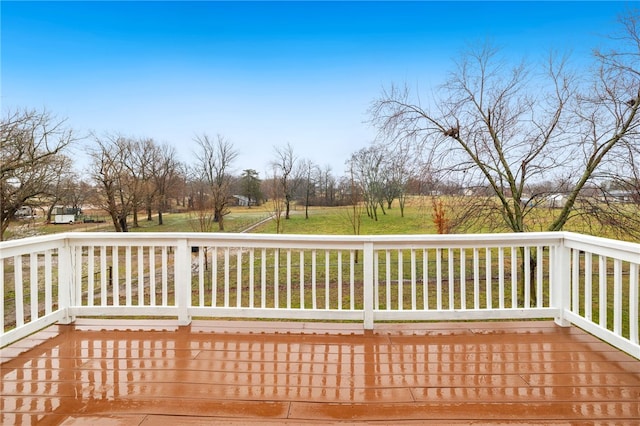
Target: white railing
587	281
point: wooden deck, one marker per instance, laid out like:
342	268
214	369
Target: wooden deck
230	372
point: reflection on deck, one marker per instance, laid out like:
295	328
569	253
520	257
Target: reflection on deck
137	372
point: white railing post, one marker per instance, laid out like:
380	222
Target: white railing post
67	280
183	282
561	282
369	288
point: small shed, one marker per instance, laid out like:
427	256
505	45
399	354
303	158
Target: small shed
556	201
241	200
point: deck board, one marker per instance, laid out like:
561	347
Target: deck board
239	372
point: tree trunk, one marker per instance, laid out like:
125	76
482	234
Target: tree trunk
115	220
49	213
4	225
286	203
123	224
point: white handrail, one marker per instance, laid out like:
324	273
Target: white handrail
570	277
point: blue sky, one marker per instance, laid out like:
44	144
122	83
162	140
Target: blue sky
261	74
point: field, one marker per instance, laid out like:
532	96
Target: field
238	220
418	219
322	220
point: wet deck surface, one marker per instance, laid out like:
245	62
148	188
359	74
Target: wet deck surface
230	372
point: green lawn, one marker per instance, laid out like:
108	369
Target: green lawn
335	221
418	219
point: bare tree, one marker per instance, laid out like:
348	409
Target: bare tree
354	211
201	213
284	163
400	162
611	113
165	169
366	168
327	186
110	168
60	184
307	176
30	141
275	204
78	193
508	127
215	159
139	154
181	191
